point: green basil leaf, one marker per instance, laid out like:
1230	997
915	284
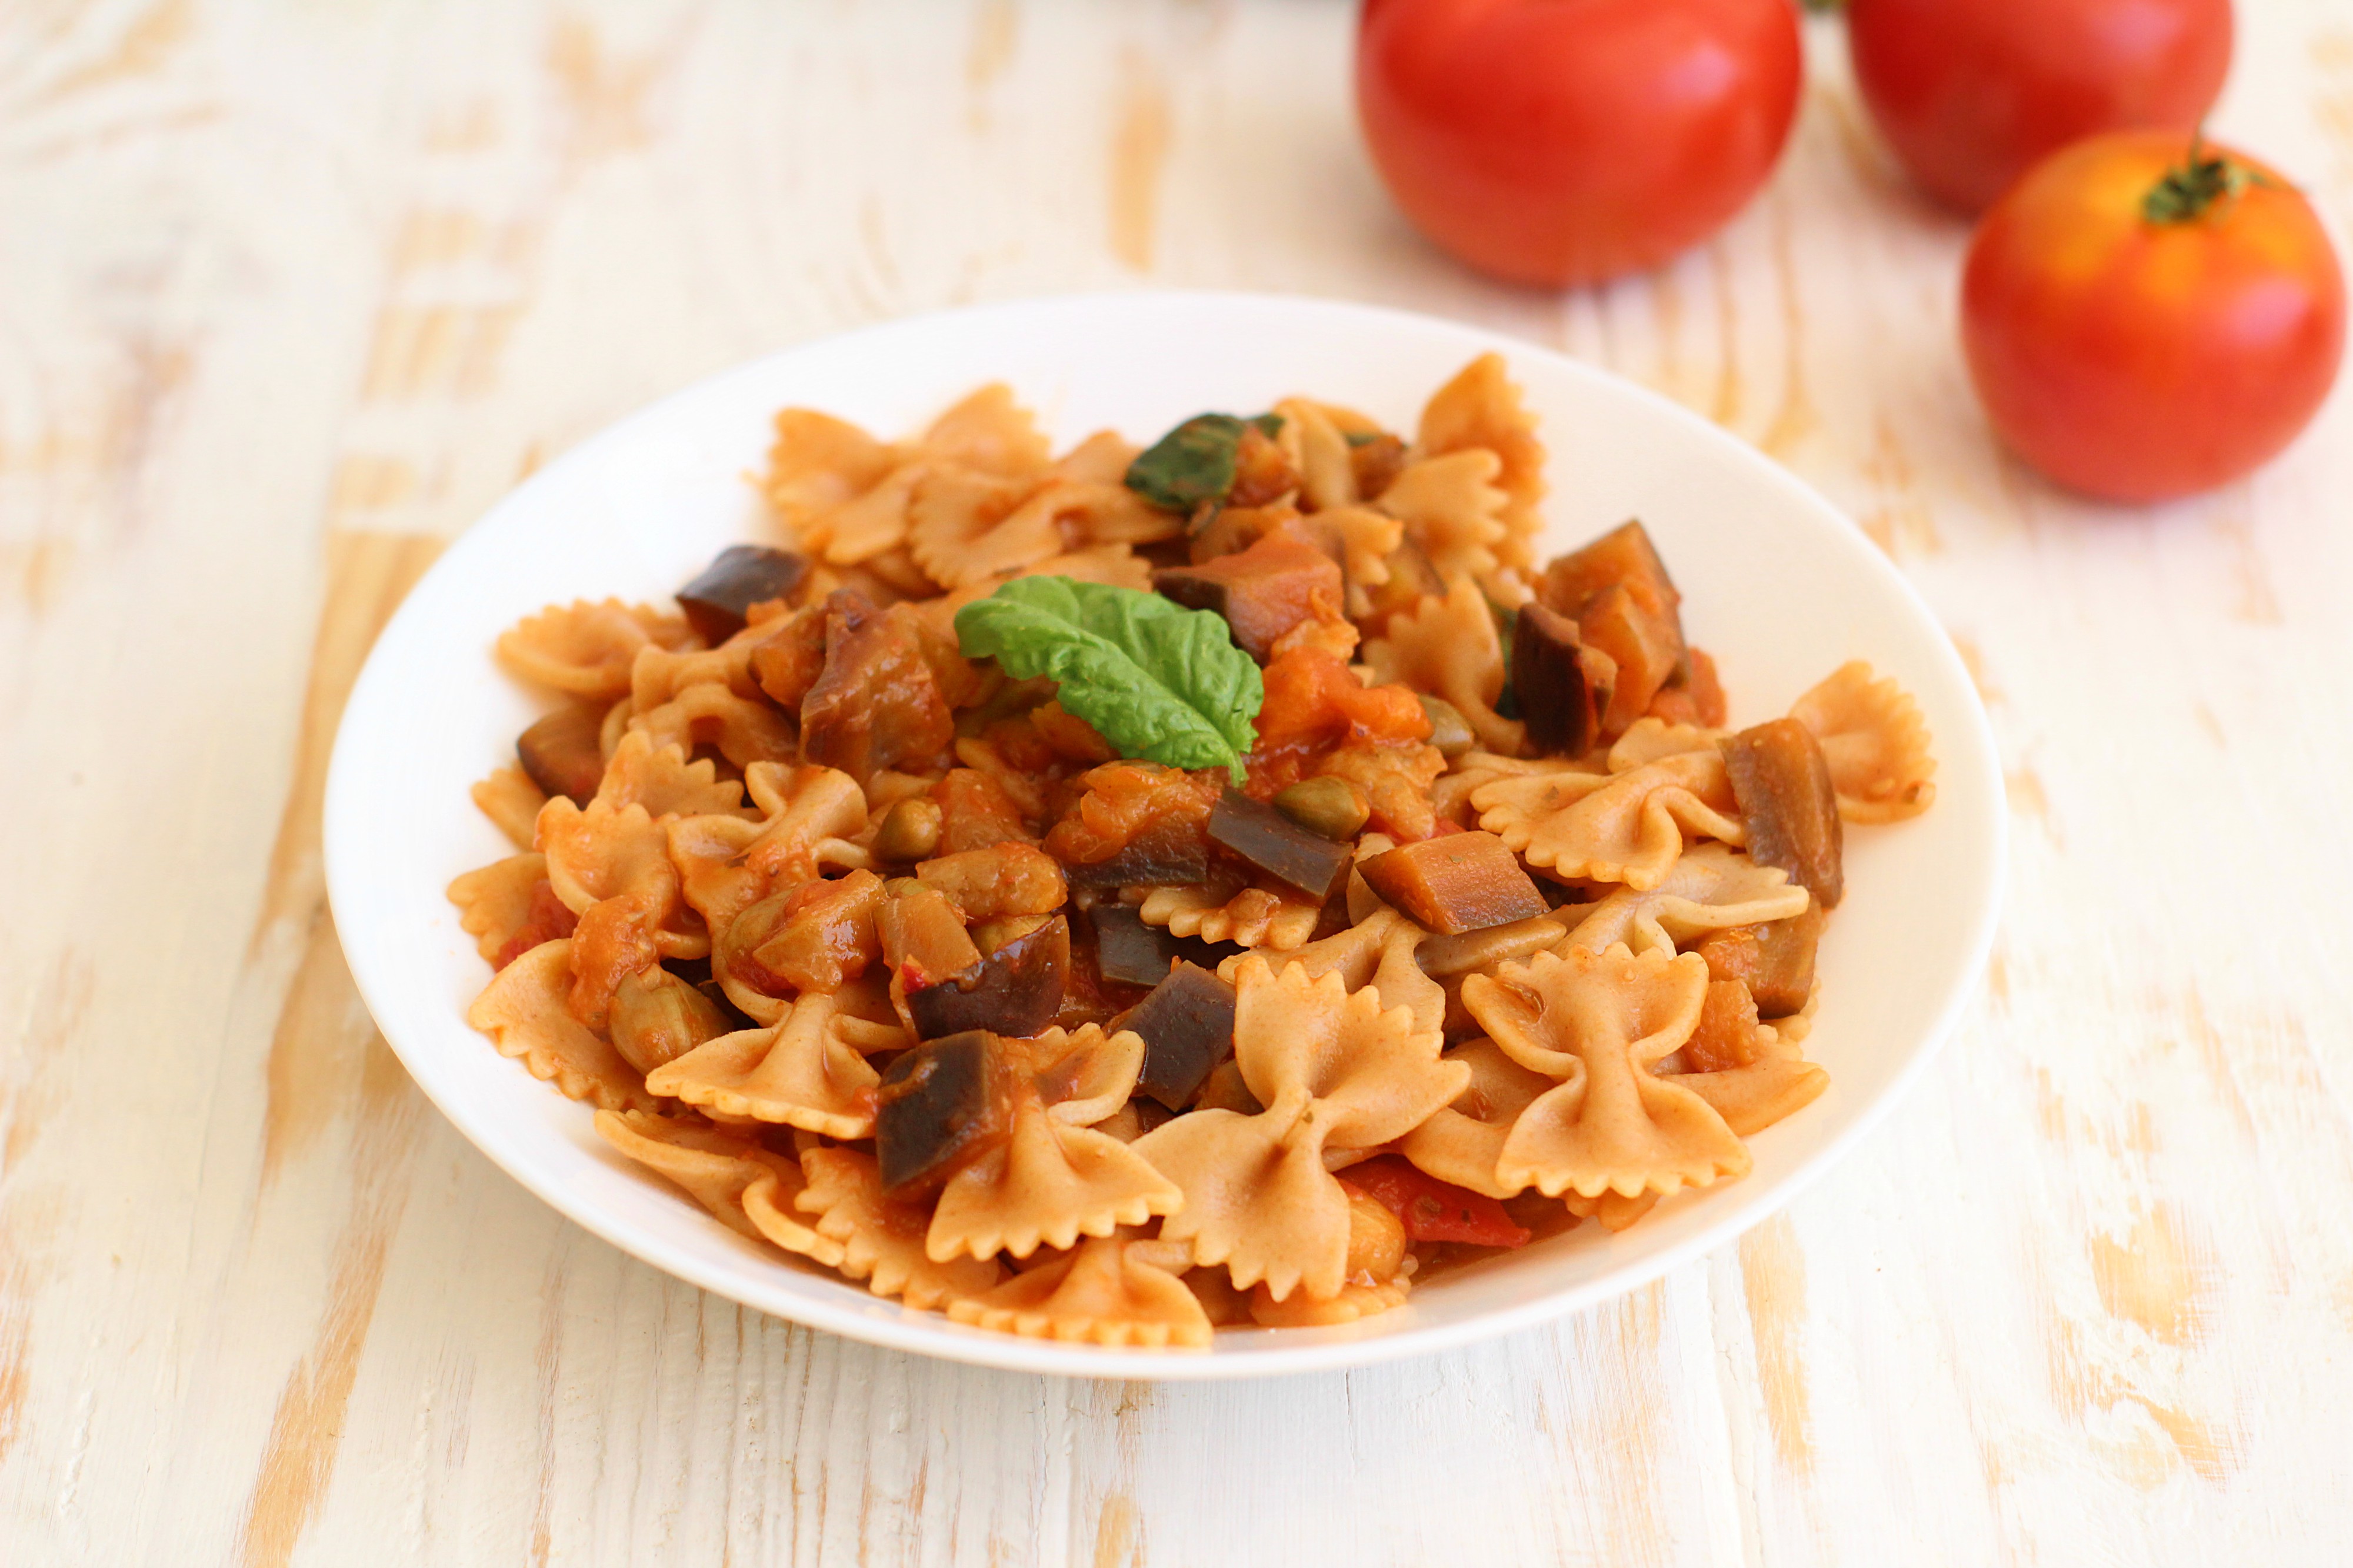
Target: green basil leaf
1195	462
1155	679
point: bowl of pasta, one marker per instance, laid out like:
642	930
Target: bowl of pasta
1164	834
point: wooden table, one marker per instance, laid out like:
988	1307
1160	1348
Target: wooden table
290	293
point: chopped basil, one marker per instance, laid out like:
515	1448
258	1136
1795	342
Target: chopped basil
1195	461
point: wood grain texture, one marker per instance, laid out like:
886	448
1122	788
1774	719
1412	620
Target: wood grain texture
290	293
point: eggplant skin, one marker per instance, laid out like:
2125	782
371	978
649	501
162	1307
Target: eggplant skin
937	1107
1271	842
1782	782
740	576
1187	1024
1014	991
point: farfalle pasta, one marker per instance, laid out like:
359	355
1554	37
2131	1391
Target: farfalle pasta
1148	892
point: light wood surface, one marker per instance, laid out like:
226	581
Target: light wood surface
289	292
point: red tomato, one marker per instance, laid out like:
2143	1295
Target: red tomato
1563	141
1972	92
1432	1210
2140	347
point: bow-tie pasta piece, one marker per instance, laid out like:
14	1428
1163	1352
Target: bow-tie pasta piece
1709	887
809	1071
1451	510
1377	951
1316	449
1463	1143
809	813
512	801
1614	1210
1054	1180
1621	828
1106	1292
1875	742
1647	741
659	675
967	527
1226	911
1481	410
1335	1071
743	731
611	866
1600	1023
523	1011
495	902
1301	1310
1449	647
819	464
712	1166
662	780
588	649
1450	797
883	1242
988	431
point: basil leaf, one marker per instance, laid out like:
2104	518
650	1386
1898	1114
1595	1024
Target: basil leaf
1195	462
1155	679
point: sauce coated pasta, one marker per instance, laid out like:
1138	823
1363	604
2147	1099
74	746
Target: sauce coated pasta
1119	894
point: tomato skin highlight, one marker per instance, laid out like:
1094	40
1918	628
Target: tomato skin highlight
1559	143
1972	93
2141	362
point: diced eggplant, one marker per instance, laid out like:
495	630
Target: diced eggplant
1563	686
1454	883
923	937
1187	1024
1377	461
1783	784
1623	555
938	1107
1776	959
1129	952
1262	592
876	705
1014	991
1170	854
1644	648
825	933
1126	950
787	661
561	754
657	1017
739	577
1267	840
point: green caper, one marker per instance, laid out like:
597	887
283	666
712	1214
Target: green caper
1329	807
1448	731
658	1017
910	831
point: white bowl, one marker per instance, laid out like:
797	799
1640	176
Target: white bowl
1777	585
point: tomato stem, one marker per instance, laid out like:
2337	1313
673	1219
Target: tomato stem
2202	183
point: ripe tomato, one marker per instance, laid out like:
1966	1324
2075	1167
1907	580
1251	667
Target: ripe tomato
1563	141
2146	318
1972	92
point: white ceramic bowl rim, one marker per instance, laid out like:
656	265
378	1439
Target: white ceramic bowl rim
379	853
